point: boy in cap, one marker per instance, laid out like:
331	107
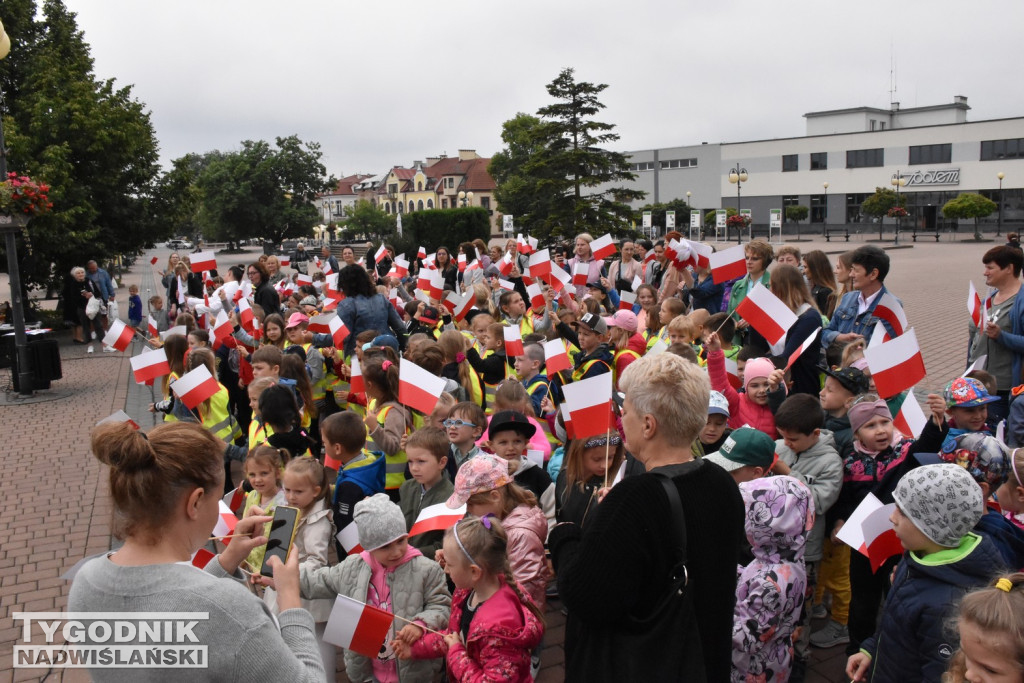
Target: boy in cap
717	428
594	358
967	404
841	387
746	454
391	575
508	436
936	508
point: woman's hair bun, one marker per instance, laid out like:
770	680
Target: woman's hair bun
123	447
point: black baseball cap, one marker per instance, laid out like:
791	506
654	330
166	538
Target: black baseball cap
595	323
510	420
851	379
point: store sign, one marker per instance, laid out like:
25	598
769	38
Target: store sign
946	176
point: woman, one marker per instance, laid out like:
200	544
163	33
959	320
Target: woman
77	293
704	293
448	270
818	272
671	278
470	277
647	319
758	254
167	276
273	266
617	569
584	255
363	308
166	486
263	292
844	264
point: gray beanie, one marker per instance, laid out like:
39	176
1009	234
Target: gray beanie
379	521
943	501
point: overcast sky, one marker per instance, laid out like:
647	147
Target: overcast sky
380	84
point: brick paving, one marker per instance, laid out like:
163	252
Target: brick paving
59	512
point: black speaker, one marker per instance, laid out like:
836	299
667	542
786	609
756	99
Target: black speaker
43	360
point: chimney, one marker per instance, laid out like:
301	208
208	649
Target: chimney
467	154
959	99
895	106
432	160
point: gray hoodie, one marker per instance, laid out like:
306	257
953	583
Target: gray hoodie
821	469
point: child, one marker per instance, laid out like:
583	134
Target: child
512	396
158	313
392	576
266	361
485	487
387	420
465	425
587	465
508	436
427	451
493	626
668	311
681	330
746	454
621	328
198	338
717	428
988	380
1011	494
726	330
770	590
529	368
991	627
134	307
936	508
966	401
837	394
760	378
263	467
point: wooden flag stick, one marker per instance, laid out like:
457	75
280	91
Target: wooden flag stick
216	538
607	450
410	621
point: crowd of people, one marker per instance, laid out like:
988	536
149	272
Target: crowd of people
693	540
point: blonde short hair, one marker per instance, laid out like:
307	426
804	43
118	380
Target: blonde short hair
671	389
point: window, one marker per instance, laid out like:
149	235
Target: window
864	158
430	203
485	203
790	162
387	207
882	125
931	154
642	166
444	203
819	208
679	163
853	213
991	150
819	161
872	124
789	200
393	189
412	206
419	205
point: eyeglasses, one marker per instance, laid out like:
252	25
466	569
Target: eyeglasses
752	258
253	272
457	423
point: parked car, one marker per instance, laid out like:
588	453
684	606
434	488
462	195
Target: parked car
179	245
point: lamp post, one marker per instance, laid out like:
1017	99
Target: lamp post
897	181
738	176
689	206
824	218
465	198
999	224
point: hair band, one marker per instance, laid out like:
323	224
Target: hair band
385	365
142	434
1003	584
460	357
1013	466
455	530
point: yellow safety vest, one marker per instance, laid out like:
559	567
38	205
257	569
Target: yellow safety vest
652	339
532	387
615	364
394	467
171	378
525	324
578	373
320	386
490	389
476	389
552	439
218	420
259	433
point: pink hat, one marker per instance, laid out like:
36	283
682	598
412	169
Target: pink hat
481	473
624	319
756	368
296	320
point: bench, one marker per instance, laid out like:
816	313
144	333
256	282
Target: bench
930	233
829	231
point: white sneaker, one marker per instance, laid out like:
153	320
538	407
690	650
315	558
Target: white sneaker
89	349
109	349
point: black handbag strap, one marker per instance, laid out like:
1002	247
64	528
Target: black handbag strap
676	510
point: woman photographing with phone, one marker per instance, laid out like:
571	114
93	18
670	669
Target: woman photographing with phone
166	488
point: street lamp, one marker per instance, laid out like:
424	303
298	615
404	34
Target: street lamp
999	225
898	181
824	218
466	198
738	176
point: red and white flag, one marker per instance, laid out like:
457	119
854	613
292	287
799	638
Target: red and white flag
506	285
195	386
149	365
525	245
421	252
602	247
332	301
177	329
303	279
766	313
556	357
637	281
896	365
201	558
357	386
911	419
430	261
119	416
536	296
151	327
889	309
327	268
627	300
474	265
401	266
701	253
436	517
203	260
732	372
119	336
513	341
570	433
226	521
649	256
869	531
974	306
245	315
417	388
506	264
153	261
558	279
459	305
436	288
580	273
728	264
316	260
540	263
808	343
221	328
590	404
284	259
358	627
461	262
380	254
338	331
321	324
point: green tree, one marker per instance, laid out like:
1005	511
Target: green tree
366	221
797	213
518	193
879	204
969	205
91	141
178	201
658	210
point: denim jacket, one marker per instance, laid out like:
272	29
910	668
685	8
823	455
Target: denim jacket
845	319
370	313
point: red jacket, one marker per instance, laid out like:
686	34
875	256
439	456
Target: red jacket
742	411
501	636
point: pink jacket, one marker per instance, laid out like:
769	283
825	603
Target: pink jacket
742	411
501	636
527	529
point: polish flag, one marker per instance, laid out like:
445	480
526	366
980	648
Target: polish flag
506	285
911	419
203	260
637	281
649	256
316	260
356	377
302	279
732	371
333	299
602	247
421	253
974	305
896	365
119	416
177	329
701	253
890	310
590	404
556	358
221	328
381	253
417	388
869	531
540	263
671	253
513	341
536	296
257	330
119	336
506	264
430	261
401	265
461	261
358	627
423	281
151	324
195	386
459	305
235	500
245	315
348	537
580	273
153	261
626	301
226	521
284	259
201	558
728	264
361	261
474	265
436	517
879	335
332	284
525	245
327	268
558	278
803	347
338	331
436	289
570	433
321	324
149	365
766	313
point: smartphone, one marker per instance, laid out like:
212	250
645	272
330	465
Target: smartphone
282	532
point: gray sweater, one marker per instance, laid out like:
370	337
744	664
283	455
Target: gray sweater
245	643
